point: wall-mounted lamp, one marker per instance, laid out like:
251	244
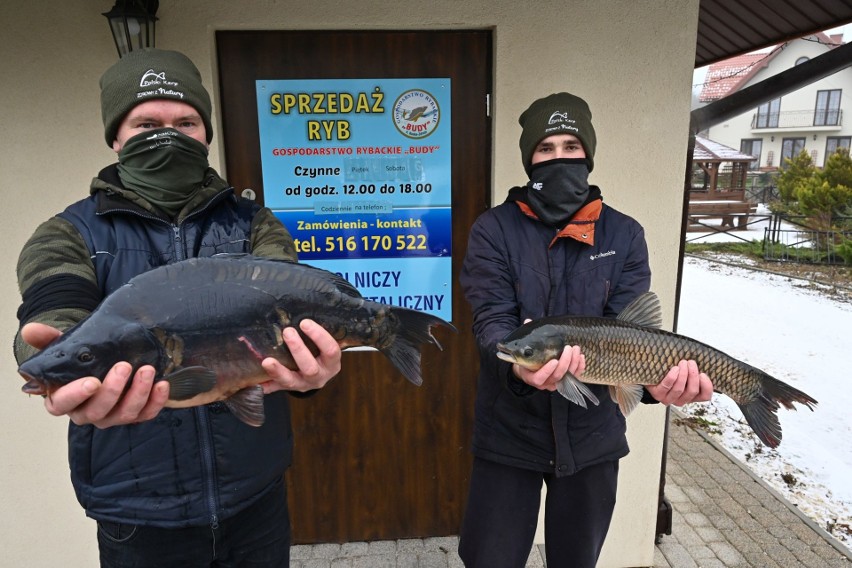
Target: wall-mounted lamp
814	136
772	139
133	24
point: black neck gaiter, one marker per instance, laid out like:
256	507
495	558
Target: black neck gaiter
557	189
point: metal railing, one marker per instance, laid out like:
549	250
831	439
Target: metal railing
797	119
805	244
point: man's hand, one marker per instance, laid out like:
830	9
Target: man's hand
571	361
103	404
682	384
314	372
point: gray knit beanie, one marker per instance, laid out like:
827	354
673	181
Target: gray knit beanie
148	74
559	113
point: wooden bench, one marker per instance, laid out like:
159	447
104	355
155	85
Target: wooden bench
728	211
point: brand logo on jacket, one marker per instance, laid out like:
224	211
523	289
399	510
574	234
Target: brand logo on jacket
602	255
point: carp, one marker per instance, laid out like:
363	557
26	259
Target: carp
630	351
205	325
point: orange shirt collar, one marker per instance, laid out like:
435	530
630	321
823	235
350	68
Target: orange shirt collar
581	227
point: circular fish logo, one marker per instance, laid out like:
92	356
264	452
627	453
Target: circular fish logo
416	114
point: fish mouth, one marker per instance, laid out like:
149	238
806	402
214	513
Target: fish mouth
504	354
33	385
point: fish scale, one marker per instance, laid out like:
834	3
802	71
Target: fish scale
205	325
631	351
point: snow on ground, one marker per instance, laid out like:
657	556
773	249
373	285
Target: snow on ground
800	336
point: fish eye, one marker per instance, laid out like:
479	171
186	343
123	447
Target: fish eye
528	351
85	356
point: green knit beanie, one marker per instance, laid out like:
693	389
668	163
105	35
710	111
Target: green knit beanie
559	113
148	74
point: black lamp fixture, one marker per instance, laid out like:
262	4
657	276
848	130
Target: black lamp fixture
133	24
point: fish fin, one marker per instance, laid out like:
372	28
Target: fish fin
576	391
247	405
626	396
414	328
190	381
644	310
760	413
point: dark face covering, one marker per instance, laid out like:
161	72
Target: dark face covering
557	189
164	166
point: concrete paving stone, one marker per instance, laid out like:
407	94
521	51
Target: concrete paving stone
350	549
701	553
722	521
687	536
761	560
809	559
726	553
806	534
410	545
441	543
660	560
675	494
741	541
782	556
678	556
325	551
406	560
300	551
711	563
536	557
344	562
709	534
432	560
830	554
696	494
317	563
697	520
380	547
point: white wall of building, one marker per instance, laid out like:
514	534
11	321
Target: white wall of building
51	145
731	132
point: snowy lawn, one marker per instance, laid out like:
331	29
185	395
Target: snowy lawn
802	336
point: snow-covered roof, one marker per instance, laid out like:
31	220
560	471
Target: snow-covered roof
708	151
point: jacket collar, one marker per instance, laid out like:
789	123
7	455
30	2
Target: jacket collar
581	227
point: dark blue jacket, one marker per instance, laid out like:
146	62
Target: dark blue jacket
186	467
517	268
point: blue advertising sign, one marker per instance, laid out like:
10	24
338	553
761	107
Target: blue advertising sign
359	172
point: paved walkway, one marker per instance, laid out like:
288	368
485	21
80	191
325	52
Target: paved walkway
724	516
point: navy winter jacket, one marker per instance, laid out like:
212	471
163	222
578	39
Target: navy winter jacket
517	268
187	467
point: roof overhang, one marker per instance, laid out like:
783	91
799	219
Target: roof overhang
732	27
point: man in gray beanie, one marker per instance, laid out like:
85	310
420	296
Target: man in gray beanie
553	248
168	487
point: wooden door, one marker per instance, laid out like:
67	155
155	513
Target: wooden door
376	457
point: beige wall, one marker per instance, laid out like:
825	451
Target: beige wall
632	60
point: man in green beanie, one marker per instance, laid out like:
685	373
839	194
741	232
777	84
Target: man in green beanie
553	248
167	487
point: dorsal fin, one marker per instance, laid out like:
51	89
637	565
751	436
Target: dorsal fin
644	310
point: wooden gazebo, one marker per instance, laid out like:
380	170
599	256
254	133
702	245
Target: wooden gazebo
718	185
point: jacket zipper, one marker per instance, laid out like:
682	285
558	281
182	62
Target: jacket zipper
207	461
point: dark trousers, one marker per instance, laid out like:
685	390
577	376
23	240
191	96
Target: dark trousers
502	513
257	537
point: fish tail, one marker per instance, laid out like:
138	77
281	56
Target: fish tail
414	329
761	411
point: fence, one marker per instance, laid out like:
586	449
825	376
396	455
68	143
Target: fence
805	244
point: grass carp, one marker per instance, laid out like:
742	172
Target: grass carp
205	325
630	351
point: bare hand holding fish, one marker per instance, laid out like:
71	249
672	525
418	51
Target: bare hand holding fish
631	351
208	326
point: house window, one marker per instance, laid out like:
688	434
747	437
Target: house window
752	147
767	114
832	143
790	148
827	112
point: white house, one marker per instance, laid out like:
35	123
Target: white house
811	118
